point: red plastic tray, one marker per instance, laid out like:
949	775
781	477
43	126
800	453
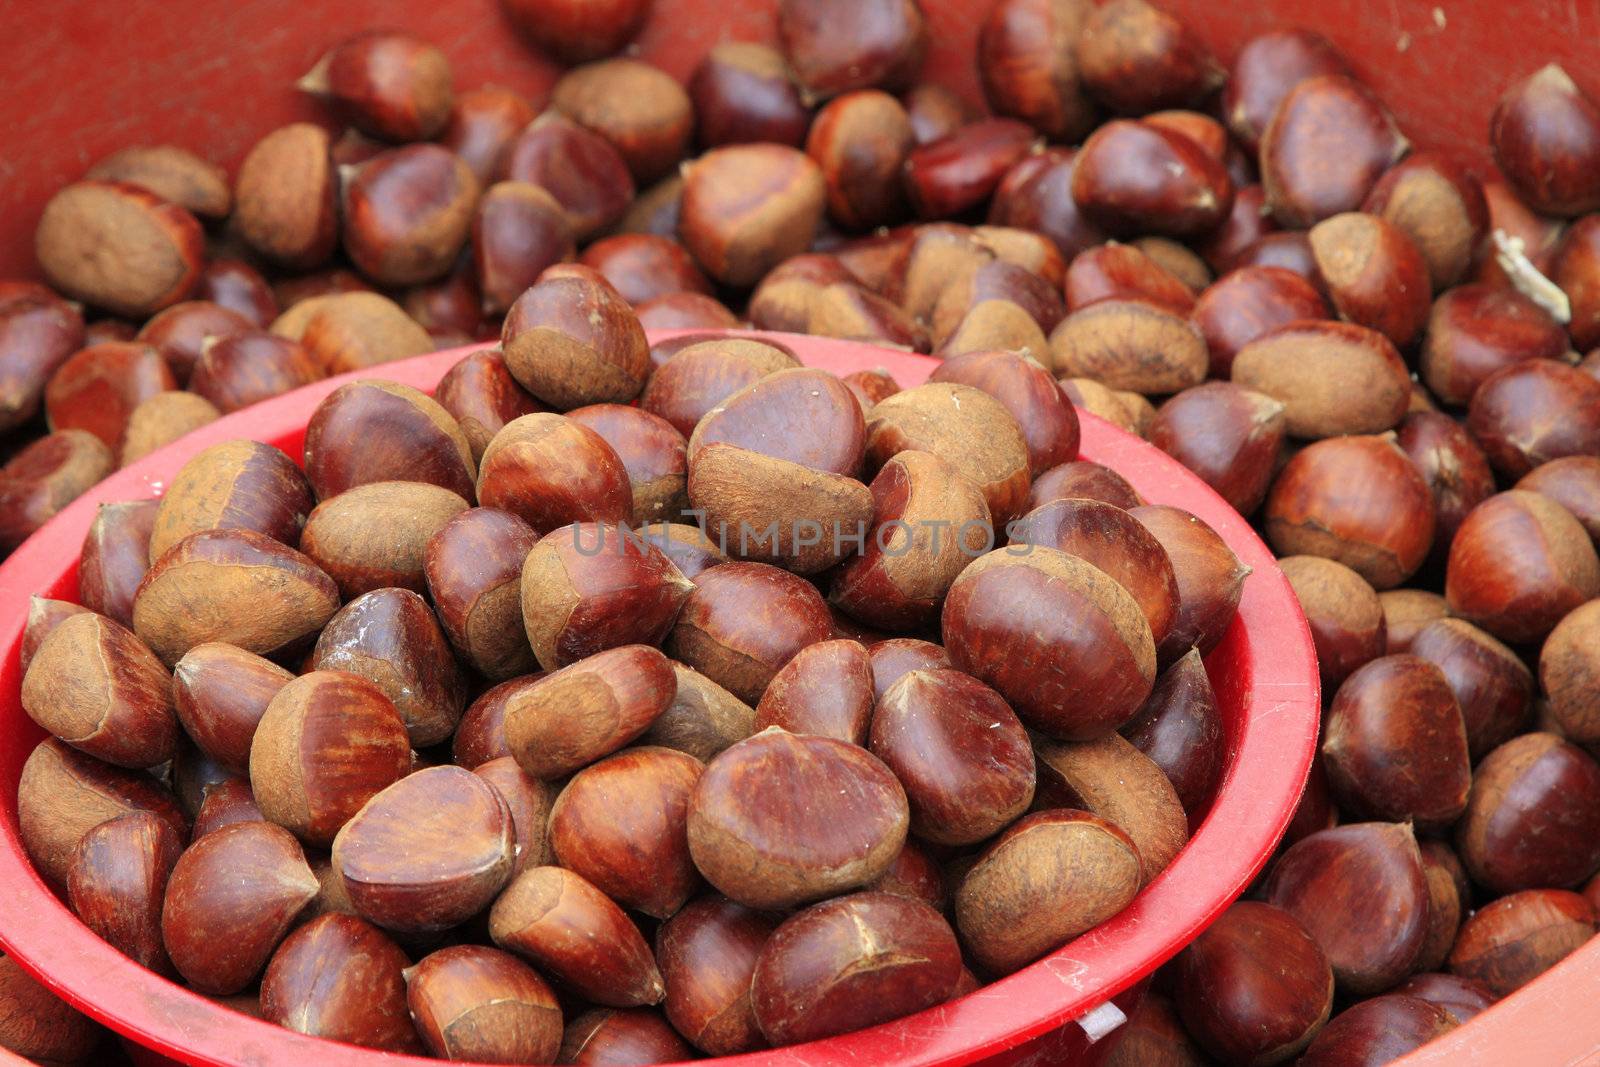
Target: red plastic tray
1264	672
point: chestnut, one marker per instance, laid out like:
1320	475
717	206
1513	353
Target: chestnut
114	559
1135	58
1082	478
406	866
1042	666
286	195
179	333
703	718
571	342
688	547
161	420
388	85
1328	143
98	388
1180	731
407	213
1574	483
706	372
62	794
1374	275
235	485
962	170
686	311
37	334
376	431
1048	423
236	371
1132	345
375	535
742	94
1440	206
834	46
896	657
574	31
1386	711
1087	868
1491	684
651	450
1299	363
518	230
118	882
826	689
1377	1031
482	123
231	898
1463	998
1568	665
605	1036
707	953
1357	500
851	962
366	1005
1111	779
574	716
1229	435
1342	609
40	1025
471	1002
118	247
1124	272
1360	891
1512	941
1124	410
1248	303
621	823
389	637
1036	194
573	932
1575	268
1555	567
1534	411
482	396
643	111
327	743
96	686
643	267
744	621
44	615
174	175
581	169
1545	134
935	111
746	208
220	693
1266	68
861	140
225	804
1028	65
1139	178
472	564
973	431
1175	258
348	331
1210	579
1254	987
1406	613
1531	818
1455	468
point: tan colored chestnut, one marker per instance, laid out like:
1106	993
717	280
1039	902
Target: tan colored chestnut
118	882
1332	378
1342	609
1112	779
826	689
96	686
587	710
844	833
643	111
572	342
707	953
36	1023
352	330
428	852
119	247
550	471
44	615
478	1004
473	565
286	197
375	536
1509	943
376	431
1051	876
1131	345
966	427
231	898
391	638
171	173
1407	612
703	718
161	420
1070	680
235	485
572	931
327	744
746	208
622	824
1042	411
63	794
365	1006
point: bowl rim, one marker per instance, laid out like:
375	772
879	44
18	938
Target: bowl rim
1276	740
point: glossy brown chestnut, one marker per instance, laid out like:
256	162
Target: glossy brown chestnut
1406	613
1028	64
643	111
38	333
1135	58
860	141
1464	998
1180	731
482	396
1509	943
220	693
231	898
1267	67
1132	178
1328	143
473	566
1356	500
747	208
388	85
1574	483
118	882
583	171
1555	567
286	197
180	332
474	1003
376	431
1439	205
518	230
98	388
1534	411
235	485
1036	194
707	953
961	171
742	94
1491	684
1255	987
235	372
1360	891
226	803
606	1036
1530	819
1210	578
574	31
1452	464
339	977
573	932
1227	434
1545	134
36	1023
576	715
688	547
1377	1031
651	450
826	689
1374	275
834	46
115	556
703	374
571	342
482	124
407	213
1123	272
852	962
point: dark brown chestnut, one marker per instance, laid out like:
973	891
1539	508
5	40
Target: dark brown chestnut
1532	816
961	171
1512	941
388	85
1534	411
586	175
707	953
366	1006
1267	67
742	94
1249	303
834	46
1346	619
1377	1031
1139	178
1135	58
1328	143
1439	205
1491	684
1545	133
1179	729
1227	434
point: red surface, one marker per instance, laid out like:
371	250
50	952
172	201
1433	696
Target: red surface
86	77
1264	673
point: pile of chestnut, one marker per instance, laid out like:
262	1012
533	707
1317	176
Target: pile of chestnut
544	661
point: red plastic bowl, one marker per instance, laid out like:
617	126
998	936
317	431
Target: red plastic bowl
1264	673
